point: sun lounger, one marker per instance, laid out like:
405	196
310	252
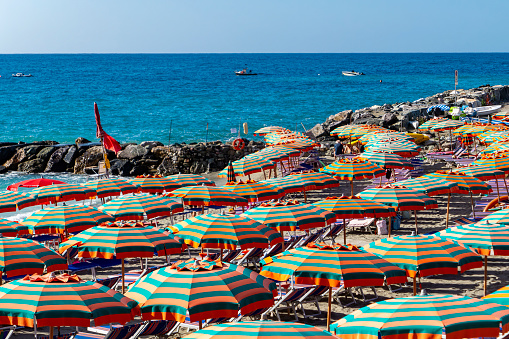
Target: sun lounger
113	332
312	297
251	256
287	301
365	223
231	255
333	231
466	221
158	328
7	331
55	336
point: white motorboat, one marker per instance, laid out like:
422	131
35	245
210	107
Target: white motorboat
352	73
21	75
486	110
245	71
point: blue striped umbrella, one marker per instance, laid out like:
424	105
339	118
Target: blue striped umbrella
442	107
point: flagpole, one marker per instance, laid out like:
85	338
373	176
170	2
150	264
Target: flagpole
207	133
169	137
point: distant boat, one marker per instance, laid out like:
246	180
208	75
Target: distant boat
245	71
21	75
352	73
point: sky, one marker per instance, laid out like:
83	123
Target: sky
256	26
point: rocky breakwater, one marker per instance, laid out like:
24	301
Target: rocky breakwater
148	157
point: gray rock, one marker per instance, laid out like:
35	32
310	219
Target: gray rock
317	131
45	153
71	154
32	151
7	152
18	157
151	144
82	140
389	119
32	166
138	169
56	161
91	157
121	167
167	167
132	152
3	169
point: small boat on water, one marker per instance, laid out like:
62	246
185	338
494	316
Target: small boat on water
486	110
352	73
21	75
245	71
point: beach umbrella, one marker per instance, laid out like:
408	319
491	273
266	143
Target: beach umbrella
208	196
247	166
277	155
64	219
297	143
359	132
61	192
499	161
260	330
20	256
110	187
425	255
14	201
225	232
484	237
425	316
498	217
319	180
483	173
136	207
500	296
203	289
129	240
154	184
490	137
9	228
389	142
495	148
401	198
276	137
446	125
332	266
384	134
255	191
62	300
399	149
39	182
354	208
270	129
343	131
230	173
442	107
353	169
191	180
430	123
292	184
386	160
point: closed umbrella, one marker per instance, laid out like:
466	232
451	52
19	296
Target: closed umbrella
230	173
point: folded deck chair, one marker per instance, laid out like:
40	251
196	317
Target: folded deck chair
333	231
251	256
231	255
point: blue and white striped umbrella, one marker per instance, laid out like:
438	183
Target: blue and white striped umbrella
442	107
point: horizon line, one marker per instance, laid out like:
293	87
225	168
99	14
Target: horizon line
161	53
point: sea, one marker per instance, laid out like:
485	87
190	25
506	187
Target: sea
175	98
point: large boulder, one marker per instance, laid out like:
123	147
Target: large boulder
56	162
45	153
32	151
121	167
7	152
81	140
32	166
70	156
17	158
317	131
389	118
160	152
167	167
151	144
132	152
90	158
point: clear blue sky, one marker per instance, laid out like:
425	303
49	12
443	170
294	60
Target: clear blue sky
261	26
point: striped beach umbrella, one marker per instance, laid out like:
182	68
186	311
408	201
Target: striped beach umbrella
208	196
430	123
275	154
318	180
203	289
478	129
401	198
230	173
64	219
14	201
154	184
111	187
359	132
387	160
324	265
290	216
297	143
291	184
225	232
9	228
384	134
191	180
483	173
255	191
430	186
500	296
425	316
496	147
490	137
498	161
498	217
39	182
136	207
260	330
446	125
270	129
62	192
402	150
19	256
276	137
425	255
247	166
62	300
353	169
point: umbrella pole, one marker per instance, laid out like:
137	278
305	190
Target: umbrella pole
506	189
51	332
415	217
330	308
498	190
472	203
485	273
123	276
305	197
344	231
415	284
351	184
390	227
264	175
199	325
447	214
283	243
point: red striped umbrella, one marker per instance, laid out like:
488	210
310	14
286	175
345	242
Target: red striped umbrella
425	255
483	173
154	184
401	198
110	187
62	300
191	180
353	169
247	166
10	228
136	207
255	191
230	173
270	129
225	232
208	196
39	182
13	201
63	192
203	289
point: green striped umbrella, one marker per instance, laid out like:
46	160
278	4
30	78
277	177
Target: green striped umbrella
318	180
290	216
19	256
404	151
64	219
401	198
9	228
191	180
324	265
203	289
490	137
255	191
225	232
247	166
61	192
230	173
425	255
499	161
62	300
500	296
478	129
484	237
136	207
483	173
14	201
377	135
260	330
425	316
270	129
496	147
498	217
430	123
154	184
110	187
291	184
387	160
353	169
208	196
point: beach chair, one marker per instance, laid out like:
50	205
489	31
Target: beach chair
80	266
466	221
231	255
7	331
158	328
253	315
333	231
365	223
55	336
106	332
287	301
272	250
251	256
312	297
109	282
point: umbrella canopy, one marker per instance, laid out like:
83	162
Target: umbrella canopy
191	180
344	131
483	173
402	150
270	129
353	169
290	216
255	191
466	183
320	180
62	300
387	160
203	289
61	192
297	143
399	197
446	125
225	232
496	147
9	228
247	166
13	201
497	217
490	137
230	173
500	296
377	135
208	196
260	330
275	154
430	186
136	207
154	184
19	256
39	182
498	161
355	207
359	132
426	316
64	219
110	187
292	184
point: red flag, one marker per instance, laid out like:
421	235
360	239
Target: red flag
108	142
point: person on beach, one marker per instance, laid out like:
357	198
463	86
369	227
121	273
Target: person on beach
338	150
